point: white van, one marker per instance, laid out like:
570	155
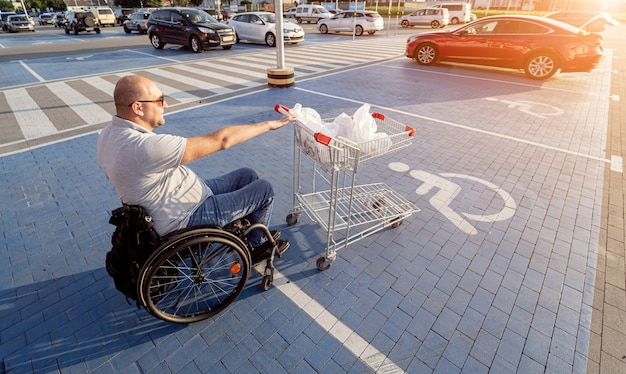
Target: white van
104	14
459	12
311	13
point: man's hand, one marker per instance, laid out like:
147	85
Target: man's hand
289	117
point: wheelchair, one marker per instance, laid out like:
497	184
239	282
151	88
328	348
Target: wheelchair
198	271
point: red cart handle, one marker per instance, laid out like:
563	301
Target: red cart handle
280	108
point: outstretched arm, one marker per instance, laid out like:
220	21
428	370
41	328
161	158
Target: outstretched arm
224	138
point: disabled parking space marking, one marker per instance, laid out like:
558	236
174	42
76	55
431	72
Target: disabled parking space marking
533	108
447	191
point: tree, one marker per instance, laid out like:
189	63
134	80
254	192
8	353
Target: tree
6	5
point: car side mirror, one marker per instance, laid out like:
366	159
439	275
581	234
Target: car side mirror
463	32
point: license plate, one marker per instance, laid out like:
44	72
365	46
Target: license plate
227	38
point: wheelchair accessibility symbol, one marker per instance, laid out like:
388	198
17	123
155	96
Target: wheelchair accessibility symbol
447	191
533	108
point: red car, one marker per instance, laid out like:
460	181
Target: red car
538	45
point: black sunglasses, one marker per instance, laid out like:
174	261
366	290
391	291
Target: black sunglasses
160	101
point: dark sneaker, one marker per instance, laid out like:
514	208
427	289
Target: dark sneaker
275	234
264	251
283	246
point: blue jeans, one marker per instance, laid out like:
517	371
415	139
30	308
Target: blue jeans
236	195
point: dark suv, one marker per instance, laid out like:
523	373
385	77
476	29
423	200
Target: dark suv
189	27
77	21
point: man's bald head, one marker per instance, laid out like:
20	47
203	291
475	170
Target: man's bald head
130	89
136	99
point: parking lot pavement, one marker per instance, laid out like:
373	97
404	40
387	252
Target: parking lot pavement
496	273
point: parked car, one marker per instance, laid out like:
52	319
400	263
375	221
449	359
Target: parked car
458	12
58	20
77	21
45	19
137	21
589	20
260	27
311	13
3	19
189	27
290	13
19	23
538	45
366	21
122	14
433	17
105	15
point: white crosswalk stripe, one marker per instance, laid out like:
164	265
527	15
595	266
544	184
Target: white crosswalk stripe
181	82
30	117
91	113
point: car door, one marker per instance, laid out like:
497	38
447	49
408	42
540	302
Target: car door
346	23
471	44
254	27
513	40
240	24
334	22
178	28
418	18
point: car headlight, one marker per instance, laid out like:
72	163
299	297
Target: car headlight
412	39
206	30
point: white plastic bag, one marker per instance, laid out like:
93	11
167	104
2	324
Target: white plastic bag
364	126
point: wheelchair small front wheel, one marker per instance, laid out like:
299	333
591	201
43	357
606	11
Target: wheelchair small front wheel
195	276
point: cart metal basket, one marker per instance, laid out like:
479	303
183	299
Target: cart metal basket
347	212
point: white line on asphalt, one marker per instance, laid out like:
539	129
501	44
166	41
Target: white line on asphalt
32	72
469	128
360	347
617	164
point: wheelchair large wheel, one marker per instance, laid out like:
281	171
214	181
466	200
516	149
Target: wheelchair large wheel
194	276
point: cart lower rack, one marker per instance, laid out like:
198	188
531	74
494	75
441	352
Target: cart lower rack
347	212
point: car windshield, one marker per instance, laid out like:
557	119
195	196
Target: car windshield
197	16
17	19
268	17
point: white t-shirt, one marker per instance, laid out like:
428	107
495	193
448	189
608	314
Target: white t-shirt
145	169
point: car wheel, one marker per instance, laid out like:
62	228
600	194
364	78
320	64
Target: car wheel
156	41
66	30
426	54
358	30
454	21
372	32
75	30
97	31
139	30
127	30
299	20
270	39
541	66
434	24
227	47
324	29
405	24
195	44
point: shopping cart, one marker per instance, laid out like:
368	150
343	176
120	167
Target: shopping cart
347	212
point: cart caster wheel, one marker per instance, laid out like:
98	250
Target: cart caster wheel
396	223
292	219
322	264
267	280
